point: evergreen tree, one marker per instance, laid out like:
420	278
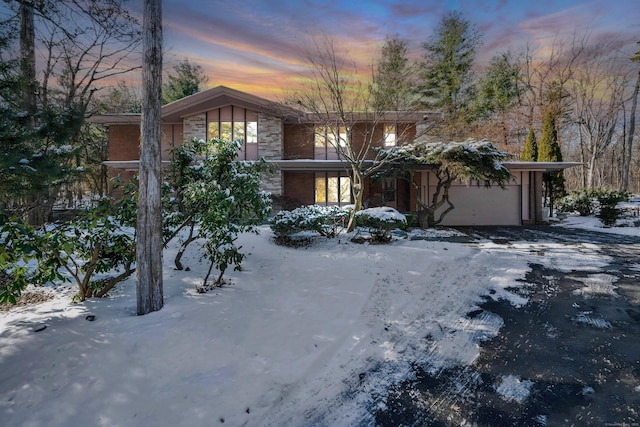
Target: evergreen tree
549	151
477	160
498	88
530	150
186	81
392	81
448	59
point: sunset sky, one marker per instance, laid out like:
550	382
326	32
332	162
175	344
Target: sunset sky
257	46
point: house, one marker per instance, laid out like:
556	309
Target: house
308	168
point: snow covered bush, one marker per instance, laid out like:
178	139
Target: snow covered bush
214	197
99	240
379	222
471	160
608	211
19	249
581	201
222	197
327	221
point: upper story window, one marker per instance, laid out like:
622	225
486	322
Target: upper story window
326	141
327	136
390	136
234	123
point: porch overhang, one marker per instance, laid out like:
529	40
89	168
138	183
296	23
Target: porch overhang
130	165
539	166
306	165
336	165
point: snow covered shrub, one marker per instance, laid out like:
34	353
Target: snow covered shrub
581	201
19	250
223	198
379	222
327	221
99	240
608	201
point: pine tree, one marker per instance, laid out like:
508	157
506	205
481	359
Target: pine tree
549	151
186	81
530	150
448	63
392	80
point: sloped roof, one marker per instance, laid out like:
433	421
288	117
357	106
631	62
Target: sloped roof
210	99
218	97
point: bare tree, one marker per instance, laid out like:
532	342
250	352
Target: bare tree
85	44
632	128
149	224
342	103
544	80
597	92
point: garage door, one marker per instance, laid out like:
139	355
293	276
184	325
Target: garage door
477	205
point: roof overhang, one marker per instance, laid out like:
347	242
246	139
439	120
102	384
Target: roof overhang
334	165
302	165
305	165
129	165
116	119
539	166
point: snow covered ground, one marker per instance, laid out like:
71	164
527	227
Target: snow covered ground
307	336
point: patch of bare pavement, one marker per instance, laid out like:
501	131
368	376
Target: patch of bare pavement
569	357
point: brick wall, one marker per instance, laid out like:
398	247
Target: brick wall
299	187
124	142
298	142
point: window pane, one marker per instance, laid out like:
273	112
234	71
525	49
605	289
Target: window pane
238	131
321	190
332	187
343	136
252	132
390	136
345	189
319	136
331	136
213	131
225	130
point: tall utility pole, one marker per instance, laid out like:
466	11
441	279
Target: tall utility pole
149	225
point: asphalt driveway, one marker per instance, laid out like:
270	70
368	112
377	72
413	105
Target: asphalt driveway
577	355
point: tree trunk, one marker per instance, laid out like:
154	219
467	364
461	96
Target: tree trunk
358	190
177	260
632	129
149	226
28	58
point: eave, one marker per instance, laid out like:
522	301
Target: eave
302	165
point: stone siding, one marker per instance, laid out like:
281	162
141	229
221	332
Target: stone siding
270	143
195	127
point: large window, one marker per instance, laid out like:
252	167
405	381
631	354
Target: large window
235	123
327	139
390	136
332	188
